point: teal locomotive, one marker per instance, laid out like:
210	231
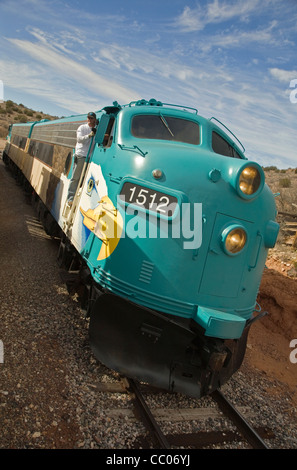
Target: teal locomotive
168	235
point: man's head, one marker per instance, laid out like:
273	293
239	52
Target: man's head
91	119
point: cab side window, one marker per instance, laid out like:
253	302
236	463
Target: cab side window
104	134
108	136
221	146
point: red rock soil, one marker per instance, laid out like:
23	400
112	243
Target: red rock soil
269	339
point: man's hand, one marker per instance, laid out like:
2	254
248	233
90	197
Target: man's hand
93	132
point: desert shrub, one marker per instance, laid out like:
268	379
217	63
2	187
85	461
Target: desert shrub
3	131
9	104
270	168
22	118
285	183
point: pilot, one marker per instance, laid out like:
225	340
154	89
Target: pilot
83	134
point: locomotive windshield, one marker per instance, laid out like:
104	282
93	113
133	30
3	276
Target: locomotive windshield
157	126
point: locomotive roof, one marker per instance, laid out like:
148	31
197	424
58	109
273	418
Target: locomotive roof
147	107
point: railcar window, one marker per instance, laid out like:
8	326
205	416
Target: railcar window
19	141
43	152
221	146
22	143
159	126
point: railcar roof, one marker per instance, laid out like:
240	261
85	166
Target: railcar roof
73	118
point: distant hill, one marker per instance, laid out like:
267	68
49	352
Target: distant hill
11	113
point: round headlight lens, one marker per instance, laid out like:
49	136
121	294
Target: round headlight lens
235	240
249	180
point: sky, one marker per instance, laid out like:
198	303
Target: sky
235	60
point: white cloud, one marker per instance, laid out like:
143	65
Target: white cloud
196	19
218	12
191	20
138	61
60	41
238	38
79	73
32	82
284	76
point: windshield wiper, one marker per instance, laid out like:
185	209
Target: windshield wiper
166	124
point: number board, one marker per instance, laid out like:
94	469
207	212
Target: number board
149	199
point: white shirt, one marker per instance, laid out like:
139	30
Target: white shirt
83	140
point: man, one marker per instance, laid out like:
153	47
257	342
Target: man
84	134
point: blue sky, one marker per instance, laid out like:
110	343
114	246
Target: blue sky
232	59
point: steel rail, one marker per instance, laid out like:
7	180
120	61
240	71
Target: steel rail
148	417
241	423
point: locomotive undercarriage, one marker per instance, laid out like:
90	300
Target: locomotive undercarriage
156	348
168	352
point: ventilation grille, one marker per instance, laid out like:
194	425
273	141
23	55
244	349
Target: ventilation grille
146	272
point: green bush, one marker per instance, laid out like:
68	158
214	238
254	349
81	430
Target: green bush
270	168
9	104
22	118
285	183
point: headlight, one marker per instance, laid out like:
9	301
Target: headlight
250	180
234	239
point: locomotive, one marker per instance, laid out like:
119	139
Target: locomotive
167	236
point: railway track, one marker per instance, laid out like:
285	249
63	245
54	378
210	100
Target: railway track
247	431
254	437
